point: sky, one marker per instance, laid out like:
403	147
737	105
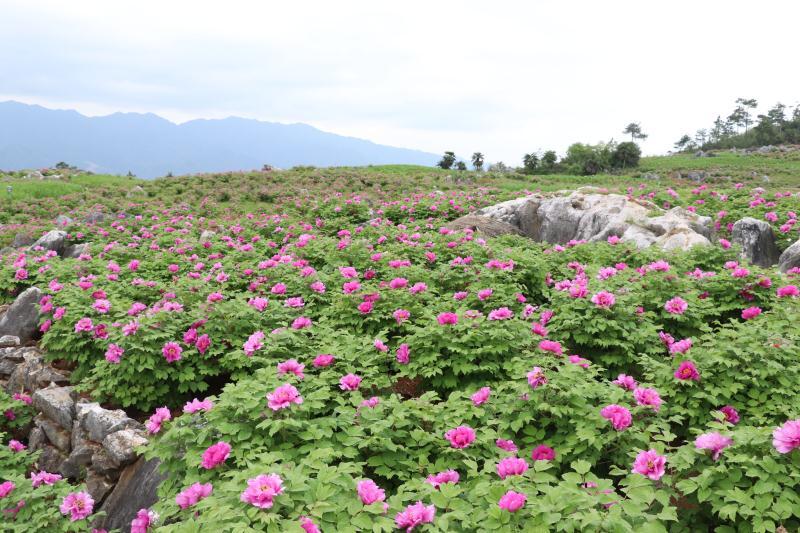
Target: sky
501	77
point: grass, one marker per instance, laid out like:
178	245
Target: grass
25	189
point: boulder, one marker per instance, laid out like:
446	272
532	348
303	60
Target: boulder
136	489
79	459
74	251
22	318
207	235
681	239
102	463
52	240
790	258
63	221
51	459
121	445
9	341
56	435
36	439
135	191
21	240
96	217
32	373
488	227
99	423
757	241
57	404
98	486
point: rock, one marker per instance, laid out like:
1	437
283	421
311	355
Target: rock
489	227
697	177
207	235
57	436
36	439
592	215
63	221
21	240
790	258
121	445
99	423
102	463
52	240
31	373
74	251
765	178
79	459
22	318
757	241
98	486
57	404
6	251
135	191
50	459
651	176
136	489
96	217
8	341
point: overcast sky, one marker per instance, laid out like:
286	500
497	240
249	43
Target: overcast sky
497	76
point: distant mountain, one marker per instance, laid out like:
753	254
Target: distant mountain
32	136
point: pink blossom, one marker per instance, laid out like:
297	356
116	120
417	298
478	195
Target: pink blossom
681	346
460	437
197	405
687	371
506	445
512	501
172	351
626	382
448	476
503	313
481	396
551	346
731	414
415	515
203	343
144	519
369	492
380	346
447	319
716	442
153	423
676	306
604	300
787	437
619	416
511	466
323	360
536	377
650	464
649	397
254	343
262	490
543	453
578	360
215	455
291	367
114	353
751	312
301	322
44	478
283	396
402	354
789	290
193	494
350	382
6	488
84	324
16	446
78	505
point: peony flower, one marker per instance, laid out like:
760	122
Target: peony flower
215	455
253	343
619	416
676	306
369	492
283	396
153	423
604	300
731	414
543	453
323	360
6	488
506	445
647	397
193	494
44	478
261	490
511	466
536	377
114	353
682	346
301	322
448	476
196	405
787	437
512	501
291	367
401	315
78	505
551	346
415	515
16	446
172	351
788	291
650	464
350	382
144	519
716	442
481	396
308	525
402	354
626	382
751	312
447	319
460	437
687	371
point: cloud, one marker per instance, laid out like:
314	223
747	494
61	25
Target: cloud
504	78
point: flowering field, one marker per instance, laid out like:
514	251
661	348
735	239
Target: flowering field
309	360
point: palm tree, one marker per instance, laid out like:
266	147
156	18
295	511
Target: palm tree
477	161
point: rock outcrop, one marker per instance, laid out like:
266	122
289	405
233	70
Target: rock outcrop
54	240
488	227
22	318
757	241
790	258
589	214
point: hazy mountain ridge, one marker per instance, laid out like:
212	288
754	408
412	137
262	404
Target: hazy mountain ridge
32	136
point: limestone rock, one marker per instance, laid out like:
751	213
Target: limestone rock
21	240
99	423
57	404
56	435
757	241
9	341
79	459
74	251
22	318
52	240
98	486
136	489
790	258
50	459
489	227
121	445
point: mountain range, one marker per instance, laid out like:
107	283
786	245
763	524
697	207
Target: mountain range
149	146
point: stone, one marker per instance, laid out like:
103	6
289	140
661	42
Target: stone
121	445
63	221
489	227
21	240
50	459
102	463
757	241
790	258
79	459
651	176
22	318
99	422
135	191
136	489
9	341
681	239
98	487
56	435
36	439
96	217
697	177
207	235
73	251
6	251
57	404
30	372
52	240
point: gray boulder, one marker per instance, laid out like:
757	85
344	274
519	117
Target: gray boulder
22	318
99	423
79	459
56	435
9	341
63	221
488	227
96	217
790	258
757	241
52	240
57	404
136	489
51	459
21	240
74	251
121	446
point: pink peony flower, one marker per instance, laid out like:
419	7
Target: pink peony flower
676	306
551	346
787	437
512	501
402	354
144	519
308	525
283	396
415	515
78	505
731	414
506	445
6	488
543	453
503	313
460	437
291	367
172	351
481	396
447	319
647	397
604	300
536	377
114	353
369	492
42	477
751	312
650	464
687	371
301	322
448	476
153	423
619	416
716	442
193	494
196	405
788	291
511	466
350	382
323	360
254	343
215	455
681	346
626	382
262	490
16	446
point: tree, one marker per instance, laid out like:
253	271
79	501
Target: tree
461	166
62	165
477	161
683	143
634	129
626	155
701	136
741	116
447	161
530	162
587	159
549	159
